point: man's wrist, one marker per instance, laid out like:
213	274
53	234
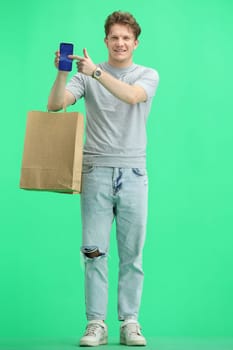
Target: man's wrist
97	73
62	74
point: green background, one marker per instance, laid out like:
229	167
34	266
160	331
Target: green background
188	258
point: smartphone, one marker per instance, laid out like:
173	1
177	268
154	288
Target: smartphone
65	63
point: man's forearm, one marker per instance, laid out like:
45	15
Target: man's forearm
131	94
57	94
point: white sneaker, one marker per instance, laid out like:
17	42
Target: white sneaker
130	334
96	334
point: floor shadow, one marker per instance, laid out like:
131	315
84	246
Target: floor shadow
155	343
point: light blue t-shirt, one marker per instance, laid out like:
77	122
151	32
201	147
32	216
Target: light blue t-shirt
115	130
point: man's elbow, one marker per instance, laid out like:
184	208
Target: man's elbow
133	100
138	95
53	108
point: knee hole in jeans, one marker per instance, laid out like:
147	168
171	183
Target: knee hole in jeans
92	252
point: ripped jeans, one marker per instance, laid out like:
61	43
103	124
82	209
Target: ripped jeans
108	194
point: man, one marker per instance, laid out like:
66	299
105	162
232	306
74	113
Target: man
118	96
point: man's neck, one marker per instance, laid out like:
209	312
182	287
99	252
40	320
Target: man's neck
117	64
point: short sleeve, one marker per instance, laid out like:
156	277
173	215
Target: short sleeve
148	80
76	86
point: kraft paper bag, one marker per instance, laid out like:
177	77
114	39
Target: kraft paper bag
52	156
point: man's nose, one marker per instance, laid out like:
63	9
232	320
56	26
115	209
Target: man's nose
120	41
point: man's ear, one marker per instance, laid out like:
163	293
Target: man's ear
106	41
136	43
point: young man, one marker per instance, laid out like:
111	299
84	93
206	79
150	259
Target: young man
118	96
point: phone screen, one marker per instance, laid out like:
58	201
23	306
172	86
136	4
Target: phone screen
65	63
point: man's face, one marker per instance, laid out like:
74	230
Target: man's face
120	43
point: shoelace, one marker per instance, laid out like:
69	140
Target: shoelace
91	329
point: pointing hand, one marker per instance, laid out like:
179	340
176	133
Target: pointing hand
84	64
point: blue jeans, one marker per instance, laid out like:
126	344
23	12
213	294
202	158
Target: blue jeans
108	194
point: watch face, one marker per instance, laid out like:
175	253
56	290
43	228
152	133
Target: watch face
98	73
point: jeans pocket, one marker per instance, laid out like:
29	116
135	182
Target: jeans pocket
139	171
87	169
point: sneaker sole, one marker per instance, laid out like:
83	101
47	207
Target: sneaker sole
133	343
85	343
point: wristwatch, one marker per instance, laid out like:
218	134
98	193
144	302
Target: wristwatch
97	73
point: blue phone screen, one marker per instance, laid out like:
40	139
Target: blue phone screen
65	63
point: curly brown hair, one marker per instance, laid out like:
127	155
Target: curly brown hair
126	18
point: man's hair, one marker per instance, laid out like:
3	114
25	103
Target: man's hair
125	18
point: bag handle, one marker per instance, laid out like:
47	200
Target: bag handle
64	105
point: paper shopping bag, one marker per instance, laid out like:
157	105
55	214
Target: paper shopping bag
52	156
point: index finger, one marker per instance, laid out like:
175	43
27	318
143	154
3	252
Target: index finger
75	57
